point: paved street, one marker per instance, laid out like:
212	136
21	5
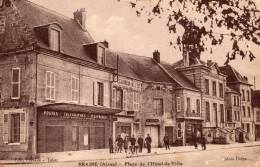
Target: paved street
234	157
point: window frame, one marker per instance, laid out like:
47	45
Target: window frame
156	108
243	95
221	90
12	138
214	88
18	83
136	101
208	117
103	53
178	99
50	86
100	93
206	86
76	91
52	38
179	129
248	95
248	112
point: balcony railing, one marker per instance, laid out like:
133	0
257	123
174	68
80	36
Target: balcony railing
193	114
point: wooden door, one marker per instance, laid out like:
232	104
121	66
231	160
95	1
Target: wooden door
75	138
169	131
54	139
100	138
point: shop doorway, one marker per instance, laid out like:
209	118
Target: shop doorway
154	134
75	138
54	140
100	138
169	131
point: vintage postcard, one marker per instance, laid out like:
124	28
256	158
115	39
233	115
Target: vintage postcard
130	83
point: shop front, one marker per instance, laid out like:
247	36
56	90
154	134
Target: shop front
67	127
186	129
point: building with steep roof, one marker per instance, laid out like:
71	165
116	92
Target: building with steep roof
240	84
256	112
62	91
55	94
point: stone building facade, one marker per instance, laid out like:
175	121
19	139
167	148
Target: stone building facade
62	91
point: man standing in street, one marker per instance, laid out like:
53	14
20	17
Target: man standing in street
133	141
166	141
148	141
140	142
111	144
119	141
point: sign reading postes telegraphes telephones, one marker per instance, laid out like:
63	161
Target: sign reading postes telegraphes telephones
72	115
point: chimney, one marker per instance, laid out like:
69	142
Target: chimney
156	56
80	16
209	62
245	78
106	43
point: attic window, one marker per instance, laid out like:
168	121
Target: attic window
55	40
101	55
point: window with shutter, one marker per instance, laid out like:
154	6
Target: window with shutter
106	89
136	101
178	104
100	89
15	83
113	97
95	93
118	98
214	88
158	106
74	89
50	85
124	99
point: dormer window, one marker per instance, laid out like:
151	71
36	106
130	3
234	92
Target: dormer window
101	55
51	35
55	40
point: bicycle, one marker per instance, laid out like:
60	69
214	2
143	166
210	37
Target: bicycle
132	150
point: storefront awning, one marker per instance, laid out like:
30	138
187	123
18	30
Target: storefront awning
79	108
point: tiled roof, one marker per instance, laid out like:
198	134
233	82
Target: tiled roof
232	75
138	67
230	90
73	36
178	76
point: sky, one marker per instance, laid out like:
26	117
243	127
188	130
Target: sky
117	23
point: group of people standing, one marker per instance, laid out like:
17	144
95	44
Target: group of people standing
130	143
196	138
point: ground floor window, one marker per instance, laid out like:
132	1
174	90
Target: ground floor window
14	128
179	130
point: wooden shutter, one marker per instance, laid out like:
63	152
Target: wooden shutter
95	93
124	99
114	97
48	83
6	128
22	128
52	85
106	89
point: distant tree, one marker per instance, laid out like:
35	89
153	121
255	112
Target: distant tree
206	21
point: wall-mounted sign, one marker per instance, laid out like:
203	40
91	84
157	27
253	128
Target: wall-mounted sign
72	115
152	120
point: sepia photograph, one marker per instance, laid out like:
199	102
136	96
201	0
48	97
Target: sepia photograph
130	83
